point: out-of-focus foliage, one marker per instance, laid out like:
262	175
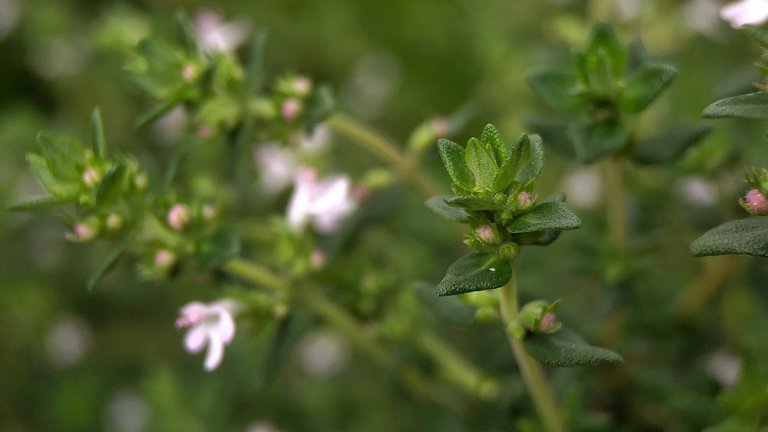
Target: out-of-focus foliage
693	332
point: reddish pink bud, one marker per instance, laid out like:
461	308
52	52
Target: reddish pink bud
302	85
547	322
756	202
524	200
486	234
290	109
178	217
164	259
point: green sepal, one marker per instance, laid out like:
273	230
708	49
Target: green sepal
481	162
111	185
471	202
107	264
454	159
566	349
556	88
439	205
97	130
475	272
752	105
645	85
36	203
739	237
668	145
545	216
217	249
606	45
593	140
491	136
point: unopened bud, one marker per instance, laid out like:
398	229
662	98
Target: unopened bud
302	85
756	203
91	177
189	72
539	316
178	217
290	109
141	181
317	259
114	222
440	127
82	232
524	200
164	259
508	250
486	234
209	212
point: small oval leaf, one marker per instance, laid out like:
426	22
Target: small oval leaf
454	159
645	85
475	272
439	205
566	348
752	105
740	237
545	216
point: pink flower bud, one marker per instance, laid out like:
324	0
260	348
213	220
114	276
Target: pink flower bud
178	217
317	260
523	200
83	232
290	109
756	202
164	259
440	126
547	322
302	85
486	234
91	177
114	221
189	72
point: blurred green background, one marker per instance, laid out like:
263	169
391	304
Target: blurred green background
111	359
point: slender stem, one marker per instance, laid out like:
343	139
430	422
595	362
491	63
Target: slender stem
615	205
456	367
530	369
695	296
347	325
383	148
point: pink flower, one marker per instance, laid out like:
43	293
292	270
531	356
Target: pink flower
277	167
745	12
290	109
756	203
214	35
209	324
325	202
178	216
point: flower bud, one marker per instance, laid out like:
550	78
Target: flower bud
508	250
524	200
755	202
486	234
290	109
141	181
317	259
163	259
302	85
178	217
539	316
82	232
189	72
114	222
91	177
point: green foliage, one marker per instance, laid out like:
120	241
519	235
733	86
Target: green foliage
742	237
751	106
475	272
566	349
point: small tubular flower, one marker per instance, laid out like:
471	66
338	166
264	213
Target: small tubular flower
325	202
745	12
209	324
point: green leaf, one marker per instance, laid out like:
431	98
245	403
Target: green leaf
739	237
64	190
668	145
471	202
636	55
438	205
219	248
156	112
543	217
492	137
321	105
644	85
481	163
475	272
97	129
62	153
185	33
531	160
555	87
107	264
566	348
752	105
454	159
593	140
36	203
110	186
604	43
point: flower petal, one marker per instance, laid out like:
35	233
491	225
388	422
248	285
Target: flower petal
195	339
215	351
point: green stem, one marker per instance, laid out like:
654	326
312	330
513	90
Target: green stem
383	148
530	369
615	205
717	270
347	325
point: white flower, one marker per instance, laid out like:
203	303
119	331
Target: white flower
745	12
209	324
323	202
214	35
277	167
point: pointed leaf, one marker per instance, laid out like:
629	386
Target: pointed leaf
604	43
454	159
97	129
471	202
111	184
62	153
593	140
543	217
566	348
669	145
481	163
492	137
156	112
107	264
752	105
645	85
475	272
739	237
531	160
61	189
636	55
438	205
36	203
555	87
